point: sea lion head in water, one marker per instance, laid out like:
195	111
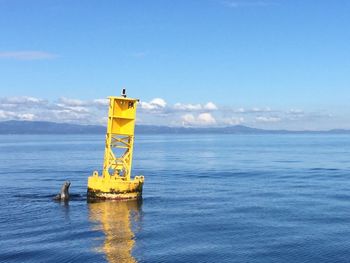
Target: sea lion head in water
64	194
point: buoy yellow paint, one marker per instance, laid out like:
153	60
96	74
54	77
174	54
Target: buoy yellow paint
116	181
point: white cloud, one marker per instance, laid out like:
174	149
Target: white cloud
188	107
296	112
206	119
72	109
4	115
240	110
70	116
155	104
194	107
66	109
26	116
257	110
233	121
158	102
22	101
203	119
27	55
71	102
77	109
188	119
252	110
267	119
210	106
101	102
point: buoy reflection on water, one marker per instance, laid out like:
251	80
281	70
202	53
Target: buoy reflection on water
116	220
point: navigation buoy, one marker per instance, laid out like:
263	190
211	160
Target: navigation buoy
116	182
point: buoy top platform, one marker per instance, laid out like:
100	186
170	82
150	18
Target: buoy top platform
116	181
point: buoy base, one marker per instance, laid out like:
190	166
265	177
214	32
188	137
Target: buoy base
114	187
93	194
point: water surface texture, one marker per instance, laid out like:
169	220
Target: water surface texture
207	198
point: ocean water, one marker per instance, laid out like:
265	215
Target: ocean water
207	198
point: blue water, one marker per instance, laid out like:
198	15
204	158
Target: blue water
207	198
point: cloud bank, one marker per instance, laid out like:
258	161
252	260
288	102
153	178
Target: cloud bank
158	112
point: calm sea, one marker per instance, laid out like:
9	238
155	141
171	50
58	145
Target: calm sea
207	198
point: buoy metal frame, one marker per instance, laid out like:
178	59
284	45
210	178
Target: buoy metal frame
116	182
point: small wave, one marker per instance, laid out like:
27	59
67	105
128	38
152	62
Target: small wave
36	196
324	169
340	197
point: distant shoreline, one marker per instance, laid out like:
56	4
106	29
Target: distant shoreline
44	127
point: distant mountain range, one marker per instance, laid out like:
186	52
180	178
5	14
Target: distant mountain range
43	127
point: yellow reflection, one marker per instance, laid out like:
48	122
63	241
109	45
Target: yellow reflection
116	219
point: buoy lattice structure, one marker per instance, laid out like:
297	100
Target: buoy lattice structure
116	182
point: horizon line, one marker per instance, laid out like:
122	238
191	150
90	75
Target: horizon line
182	127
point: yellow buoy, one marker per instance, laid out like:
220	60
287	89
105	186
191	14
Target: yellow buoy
116	181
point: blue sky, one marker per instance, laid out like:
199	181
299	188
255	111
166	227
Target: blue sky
268	64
